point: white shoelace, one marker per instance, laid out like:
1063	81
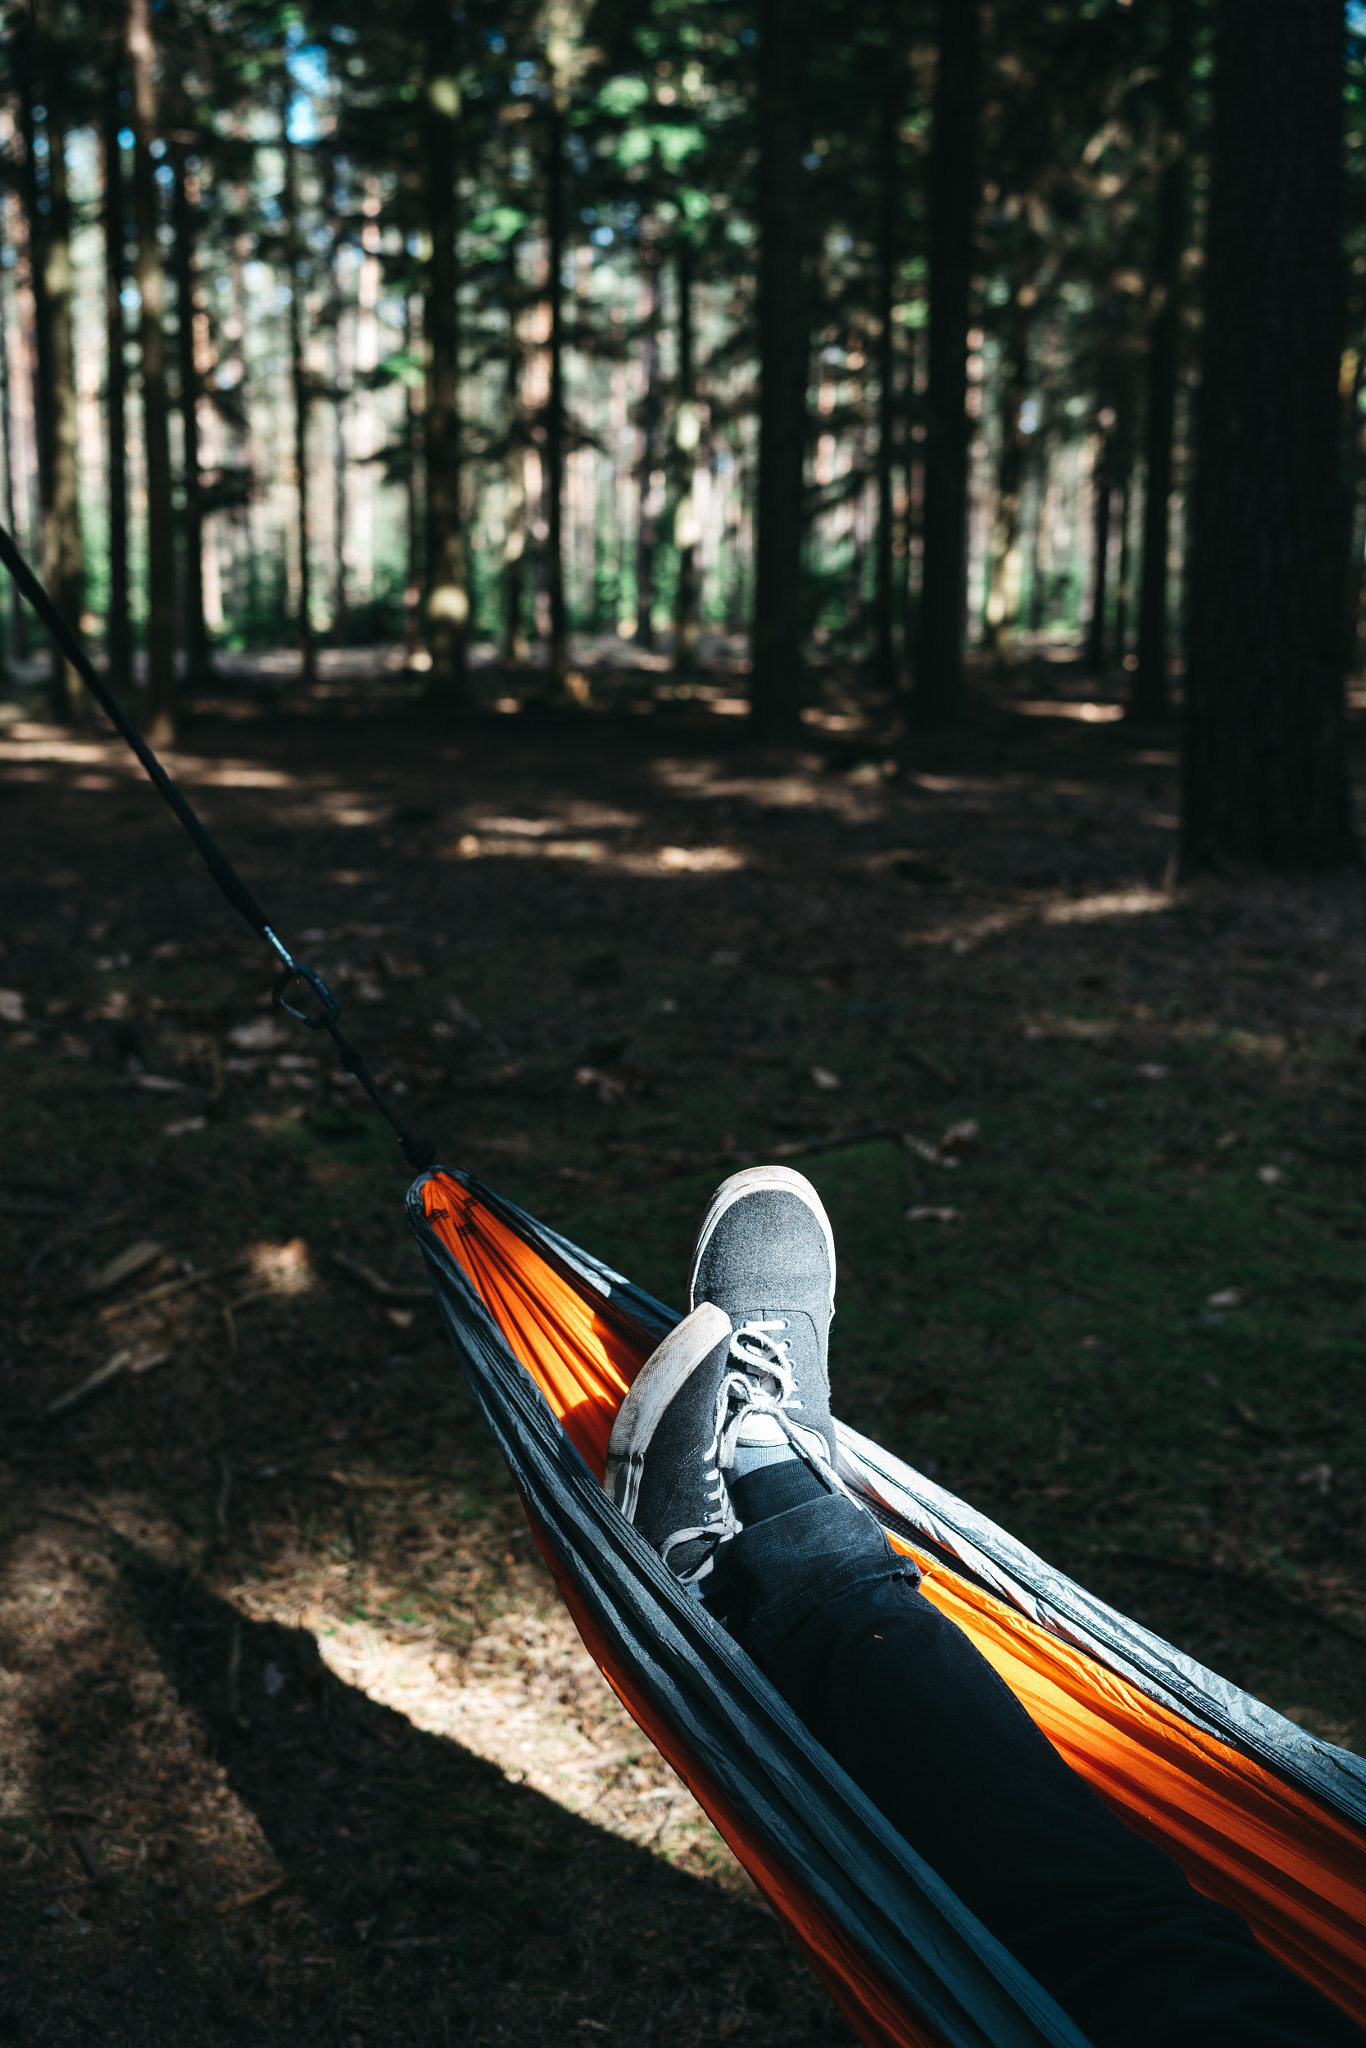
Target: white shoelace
758	1350
722	1522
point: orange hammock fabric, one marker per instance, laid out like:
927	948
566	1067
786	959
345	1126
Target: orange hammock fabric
1295	1872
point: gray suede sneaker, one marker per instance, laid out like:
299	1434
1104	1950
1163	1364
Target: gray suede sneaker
765	1255
673	1440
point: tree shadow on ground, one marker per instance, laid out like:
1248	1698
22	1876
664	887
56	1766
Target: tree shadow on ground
317	1869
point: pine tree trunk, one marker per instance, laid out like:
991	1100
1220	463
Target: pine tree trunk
515	649
1151	701
447	606
1264	777
649	429
197	662
885	673
118	631
301	391
952	205
1102	489
554	422
61	563
777	679
155	406
17	640
1005	569
685	444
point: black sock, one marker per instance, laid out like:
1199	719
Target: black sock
772	1489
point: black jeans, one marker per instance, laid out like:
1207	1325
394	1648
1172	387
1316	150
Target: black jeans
901	1699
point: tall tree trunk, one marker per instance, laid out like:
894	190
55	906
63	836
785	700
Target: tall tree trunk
646	536
301	390
155	406
776	687
16	640
554	419
1102	490
118	631
515	648
1151	701
889	209
952	204
448	602
50	267
686	436
1005	568
1264	743
1038	594
197	662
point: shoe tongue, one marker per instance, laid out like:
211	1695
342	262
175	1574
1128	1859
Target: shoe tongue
762	1429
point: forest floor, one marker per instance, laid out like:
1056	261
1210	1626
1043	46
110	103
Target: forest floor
295	1743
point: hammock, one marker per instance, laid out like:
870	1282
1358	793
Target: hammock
1261	1816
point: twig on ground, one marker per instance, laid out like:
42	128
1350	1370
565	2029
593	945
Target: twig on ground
926	1060
388	1290
89	1861
235	1677
1127	1308
131	1361
184	1285
244	1899
70	1515
136	1259
220	1506
835	1141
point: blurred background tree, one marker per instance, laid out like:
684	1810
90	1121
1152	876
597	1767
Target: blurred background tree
929	344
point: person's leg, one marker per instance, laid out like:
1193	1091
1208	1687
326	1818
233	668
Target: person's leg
902	1700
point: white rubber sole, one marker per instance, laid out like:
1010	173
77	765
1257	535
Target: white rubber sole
752	1180
667	1368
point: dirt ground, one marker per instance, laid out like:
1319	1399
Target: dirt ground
295	1743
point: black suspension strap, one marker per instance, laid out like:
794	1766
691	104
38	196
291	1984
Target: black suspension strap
418	1151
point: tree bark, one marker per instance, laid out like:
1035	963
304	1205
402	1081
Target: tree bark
197	663
301	389
555	422
1151	700
1005	567
118	631
952	205
515	649
17	640
61	563
1263	761
776	687
448	601
1102	489
889	213
155	406
686	435
646	536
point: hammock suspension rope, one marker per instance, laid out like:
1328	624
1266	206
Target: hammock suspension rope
419	1151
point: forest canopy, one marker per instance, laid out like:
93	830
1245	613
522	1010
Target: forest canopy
772	332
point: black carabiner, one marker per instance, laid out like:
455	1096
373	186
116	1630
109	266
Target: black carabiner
331	1008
